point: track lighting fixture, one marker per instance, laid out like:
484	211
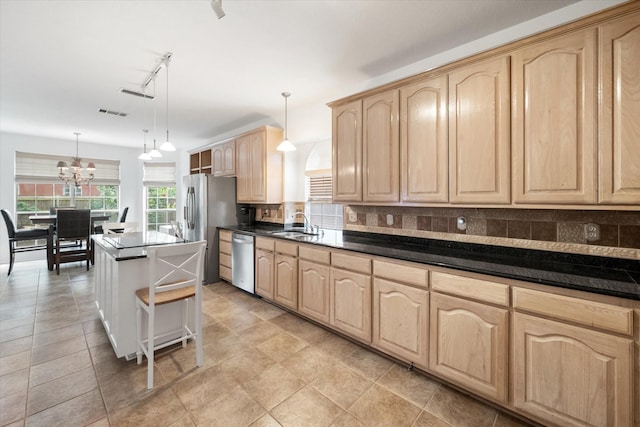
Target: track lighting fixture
216	5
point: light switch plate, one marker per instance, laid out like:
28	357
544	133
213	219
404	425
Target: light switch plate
389	219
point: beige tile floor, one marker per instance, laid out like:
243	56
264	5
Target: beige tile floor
263	367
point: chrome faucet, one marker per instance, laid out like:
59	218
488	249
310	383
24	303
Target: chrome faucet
308	228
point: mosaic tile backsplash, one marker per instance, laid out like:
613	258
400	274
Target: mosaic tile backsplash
555	230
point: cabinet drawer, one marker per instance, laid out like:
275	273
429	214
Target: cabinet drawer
481	290
225	235
225	247
286	248
401	272
588	313
225	273
314	254
264	243
351	262
225	259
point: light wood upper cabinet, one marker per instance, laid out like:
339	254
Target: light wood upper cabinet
259	166
572	376
469	344
620	113
400	316
381	148
554	120
424	170
224	158
347	152
479	133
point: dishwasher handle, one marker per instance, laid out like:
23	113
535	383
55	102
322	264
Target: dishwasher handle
242	239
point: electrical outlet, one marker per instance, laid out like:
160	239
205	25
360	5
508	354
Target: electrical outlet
353	217
389	219
591	232
266	213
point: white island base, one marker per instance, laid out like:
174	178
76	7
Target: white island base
117	277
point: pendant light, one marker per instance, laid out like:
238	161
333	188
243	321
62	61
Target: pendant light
145	155
285	145
154	153
167	146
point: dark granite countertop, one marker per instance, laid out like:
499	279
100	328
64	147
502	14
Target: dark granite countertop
609	276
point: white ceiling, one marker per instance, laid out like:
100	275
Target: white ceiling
60	61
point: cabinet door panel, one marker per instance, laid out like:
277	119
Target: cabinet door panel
216	156
347	152
381	148
264	273
572	376
400	316
350	303
257	184
286	280
469	344
229	158
479	138
313	290
554	120
423	142
243	152
620	112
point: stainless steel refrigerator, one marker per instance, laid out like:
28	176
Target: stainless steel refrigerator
210	202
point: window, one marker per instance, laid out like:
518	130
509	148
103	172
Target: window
160	194
319	209
38	187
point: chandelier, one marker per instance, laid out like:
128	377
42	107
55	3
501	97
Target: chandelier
74	176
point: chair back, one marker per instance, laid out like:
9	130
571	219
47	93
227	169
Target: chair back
119	227
123	217
54	209
8	220
73	224
173	267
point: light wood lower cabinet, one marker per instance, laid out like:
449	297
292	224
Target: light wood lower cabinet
571	376
350	303
400	316
225	255
313	290
264	273
468	344
286	280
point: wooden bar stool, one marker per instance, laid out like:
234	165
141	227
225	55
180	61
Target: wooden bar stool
175	275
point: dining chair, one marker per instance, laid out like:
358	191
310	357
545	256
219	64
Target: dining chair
175	275
72	225
99	229
22	235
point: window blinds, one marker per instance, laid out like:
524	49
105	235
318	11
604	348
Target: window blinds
32	167
318	186
159	174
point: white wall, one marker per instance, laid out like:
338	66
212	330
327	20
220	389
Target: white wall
131	190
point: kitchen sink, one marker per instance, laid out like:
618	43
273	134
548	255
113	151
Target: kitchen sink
295	234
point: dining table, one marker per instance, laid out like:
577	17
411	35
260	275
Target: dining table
51	220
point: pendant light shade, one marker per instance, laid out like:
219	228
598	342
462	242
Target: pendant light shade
145	155
285	145
167	146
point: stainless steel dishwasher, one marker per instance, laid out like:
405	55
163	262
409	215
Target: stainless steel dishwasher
242	262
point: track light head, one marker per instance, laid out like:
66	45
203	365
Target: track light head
216	5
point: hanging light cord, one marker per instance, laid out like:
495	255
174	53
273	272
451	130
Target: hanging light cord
167	65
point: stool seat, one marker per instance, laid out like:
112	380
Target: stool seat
167	297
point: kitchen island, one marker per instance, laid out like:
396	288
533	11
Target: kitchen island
121	267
